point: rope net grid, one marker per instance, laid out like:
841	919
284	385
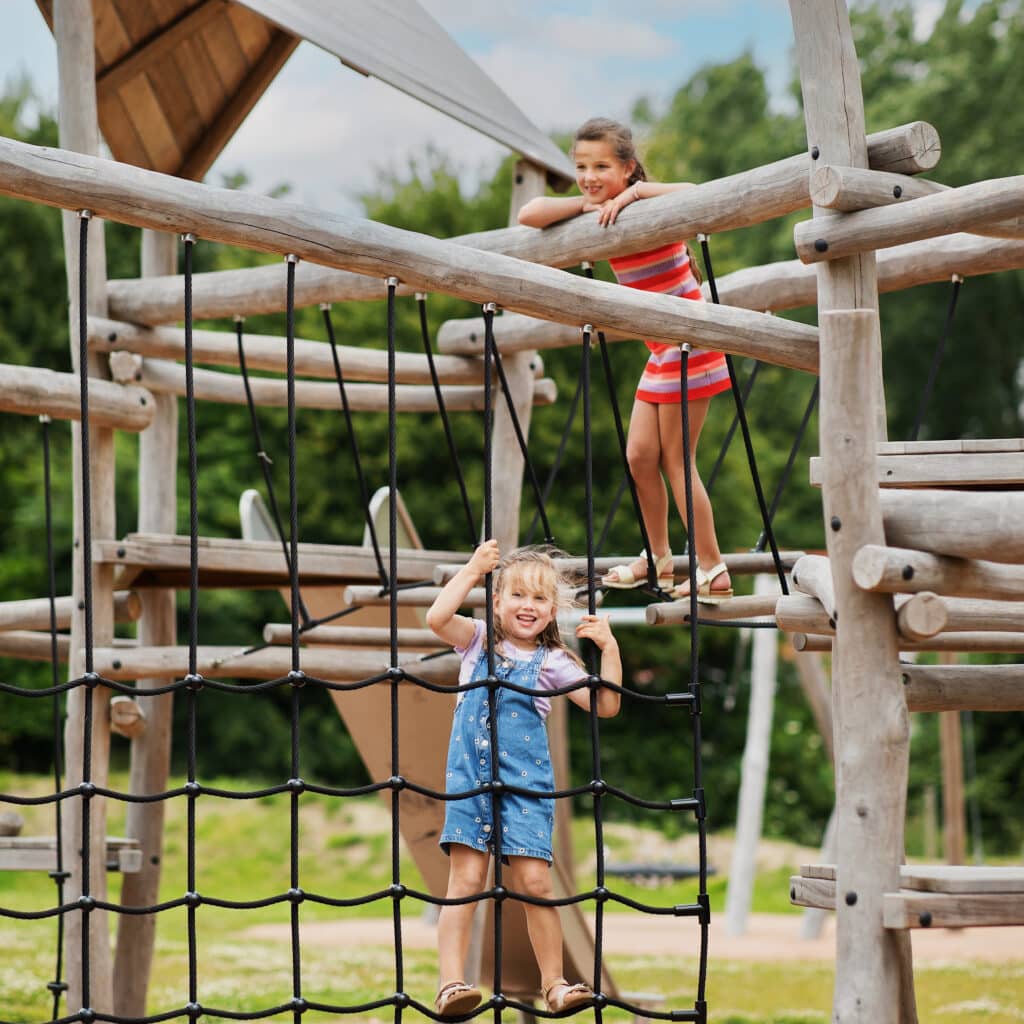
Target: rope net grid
86	685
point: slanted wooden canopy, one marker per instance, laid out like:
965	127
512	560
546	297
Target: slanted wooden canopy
176	78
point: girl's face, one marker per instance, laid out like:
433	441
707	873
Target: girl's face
525	605
600	174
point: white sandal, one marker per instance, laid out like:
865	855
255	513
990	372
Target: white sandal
705	595
456	999
560	996
627	581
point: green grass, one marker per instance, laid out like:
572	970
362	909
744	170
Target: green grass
243	854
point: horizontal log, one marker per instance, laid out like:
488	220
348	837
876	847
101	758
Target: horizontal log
911	148
29	645
812	892
901	570
673	613
941	469
801	613
812	575
903	909
921	616
146	199
39	853
513	332
33	391
964	687
964	524
964	643
34	613
849	189
267	352
947	878
361	596
351	636
959	209
268	663
163	377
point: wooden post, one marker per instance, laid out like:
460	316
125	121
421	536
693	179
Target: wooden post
754	770
79	131
951	749
150	751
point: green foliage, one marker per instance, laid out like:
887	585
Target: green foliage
964	78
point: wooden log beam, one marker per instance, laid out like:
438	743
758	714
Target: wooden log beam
964	687
895	570
943	469
33	645
161	377
34	613
351	636
676	613
269	663
513	332
962	643
801	613
905	910
34	391
961	209
964	524
358	595
267	352
848	189
921	616
812	575
150	200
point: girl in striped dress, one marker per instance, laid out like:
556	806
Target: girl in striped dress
610	177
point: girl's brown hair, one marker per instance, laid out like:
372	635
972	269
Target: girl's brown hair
620	137
536	565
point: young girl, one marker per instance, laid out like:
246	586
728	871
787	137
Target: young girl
610	177
528	652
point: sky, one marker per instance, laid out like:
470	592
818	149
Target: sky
329	132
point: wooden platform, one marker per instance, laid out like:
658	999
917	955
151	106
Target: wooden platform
974	463
930	896
162	560
39	853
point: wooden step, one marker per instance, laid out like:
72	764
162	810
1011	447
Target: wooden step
747	606
930	896
162	560
970	463
39	853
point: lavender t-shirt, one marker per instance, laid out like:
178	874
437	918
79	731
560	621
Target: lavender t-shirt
558	669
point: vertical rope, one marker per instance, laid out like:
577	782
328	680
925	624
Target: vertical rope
59	875
731	432
364	492
940	349
741	415
421	302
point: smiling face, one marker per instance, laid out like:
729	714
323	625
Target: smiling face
525	603
600	174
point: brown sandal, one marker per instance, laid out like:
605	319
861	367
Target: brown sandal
456	999
560	996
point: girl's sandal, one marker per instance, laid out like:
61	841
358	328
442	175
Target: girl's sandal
456	999
705	595
560	996
626	580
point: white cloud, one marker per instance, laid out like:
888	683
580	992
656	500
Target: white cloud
614	38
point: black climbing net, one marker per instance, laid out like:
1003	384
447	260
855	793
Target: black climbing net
80	797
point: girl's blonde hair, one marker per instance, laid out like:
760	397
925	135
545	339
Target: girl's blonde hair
535	565
620	137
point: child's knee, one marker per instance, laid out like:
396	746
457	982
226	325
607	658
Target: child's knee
642	460
534	878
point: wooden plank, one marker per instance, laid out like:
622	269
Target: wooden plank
267	352
943	878
812	892
135	196
676	613
34	613
962	524
903	570
119	132
251	30
223	52
205	87
161	377
39	853
961	910
269	663
1004	469
34	391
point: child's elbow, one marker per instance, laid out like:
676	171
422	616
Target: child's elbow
433	620
529	215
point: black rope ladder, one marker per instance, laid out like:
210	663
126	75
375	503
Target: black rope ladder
193	683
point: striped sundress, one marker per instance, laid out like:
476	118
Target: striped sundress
667	270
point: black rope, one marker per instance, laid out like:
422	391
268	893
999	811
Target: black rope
731	432
745	430
620	433
364	491
940	350
262	457
428	351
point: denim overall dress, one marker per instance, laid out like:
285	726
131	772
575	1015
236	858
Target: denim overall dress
524	760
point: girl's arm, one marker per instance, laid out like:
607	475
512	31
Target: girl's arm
545	210
599	630
638	190
450	627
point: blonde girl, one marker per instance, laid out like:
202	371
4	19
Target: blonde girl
530	653
611	177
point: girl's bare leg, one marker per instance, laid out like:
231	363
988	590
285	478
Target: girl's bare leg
467	874
643	452
705	540
532	877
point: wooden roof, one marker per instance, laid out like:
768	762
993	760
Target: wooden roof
176	78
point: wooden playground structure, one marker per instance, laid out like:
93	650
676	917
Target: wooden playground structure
925	544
